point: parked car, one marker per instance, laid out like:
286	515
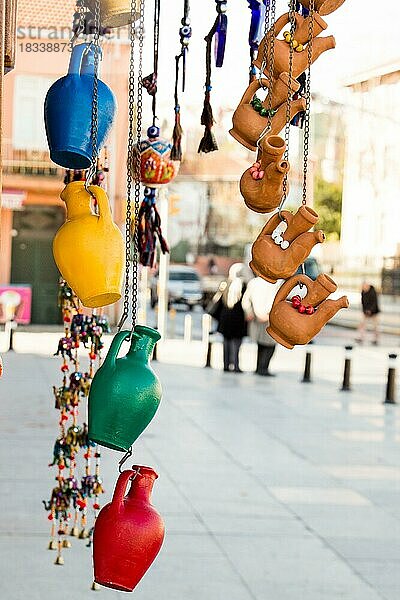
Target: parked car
184	287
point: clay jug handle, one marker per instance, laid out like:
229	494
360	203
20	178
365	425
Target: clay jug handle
116	344
251	90
287	287
102	201
120	487
281	22
75	61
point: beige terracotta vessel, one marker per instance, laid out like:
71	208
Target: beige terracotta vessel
264	195
270	261
324	7
247	128
289	327
301	35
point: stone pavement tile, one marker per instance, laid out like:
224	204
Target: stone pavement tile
313	495
253	525
284	573
380	574
348	521
367	549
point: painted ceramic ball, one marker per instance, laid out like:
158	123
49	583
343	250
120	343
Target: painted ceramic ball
156	166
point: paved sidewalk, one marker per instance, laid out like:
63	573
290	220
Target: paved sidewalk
270	489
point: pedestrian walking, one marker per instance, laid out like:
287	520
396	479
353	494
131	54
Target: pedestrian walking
257	302
370	309
230	316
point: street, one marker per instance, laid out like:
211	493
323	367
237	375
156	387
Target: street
269	488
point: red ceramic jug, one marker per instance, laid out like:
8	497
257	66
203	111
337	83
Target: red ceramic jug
128	533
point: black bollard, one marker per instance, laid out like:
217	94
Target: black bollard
11	325
346	387
391	381
209	350
307	369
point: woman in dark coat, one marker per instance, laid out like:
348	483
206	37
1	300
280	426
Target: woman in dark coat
370	308
231	318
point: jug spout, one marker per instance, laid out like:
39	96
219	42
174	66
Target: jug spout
302	221
77	199
142	483
328	309
318	291
144	340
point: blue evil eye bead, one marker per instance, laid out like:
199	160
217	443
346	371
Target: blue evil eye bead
153	132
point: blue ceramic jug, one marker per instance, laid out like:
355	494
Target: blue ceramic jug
68	112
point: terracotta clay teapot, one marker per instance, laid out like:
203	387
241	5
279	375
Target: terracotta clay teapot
252	121
324	7
296	323
128	533
125	393
248	125
264	193
283	245
301	35
89	249
115	13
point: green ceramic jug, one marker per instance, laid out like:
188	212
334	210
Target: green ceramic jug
125	392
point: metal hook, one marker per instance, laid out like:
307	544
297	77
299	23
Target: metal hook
123	460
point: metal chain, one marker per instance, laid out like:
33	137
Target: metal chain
268	61
306	140
91	172
137	186
129	162
292	21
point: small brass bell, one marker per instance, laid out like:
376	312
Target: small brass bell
66	544
59	560
52	545
74	531
83	534
95	587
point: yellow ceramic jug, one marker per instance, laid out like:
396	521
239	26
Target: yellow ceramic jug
89	249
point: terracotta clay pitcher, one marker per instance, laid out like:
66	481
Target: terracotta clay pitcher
324	7
115	13
289	325
301	36
283	246
125	392
128	533
265	194
89	249
248	124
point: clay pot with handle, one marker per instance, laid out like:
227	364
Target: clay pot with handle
88	248
125	393
324	7
272	259
128	533
265	194
290	327
248	124
301	35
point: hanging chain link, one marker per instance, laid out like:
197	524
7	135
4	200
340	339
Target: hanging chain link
129	162
306	140
137	186
292	21
268	61
91	172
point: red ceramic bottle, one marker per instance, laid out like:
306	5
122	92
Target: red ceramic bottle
128	533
